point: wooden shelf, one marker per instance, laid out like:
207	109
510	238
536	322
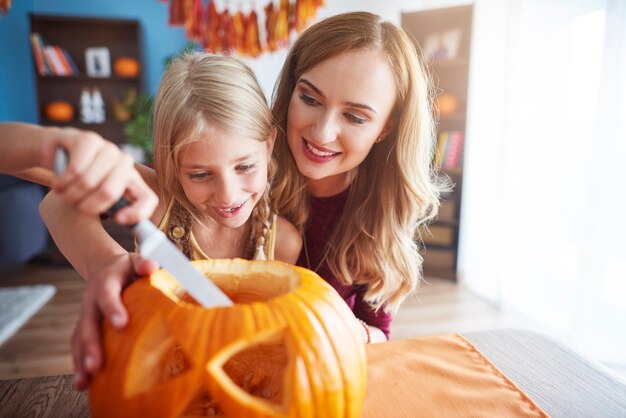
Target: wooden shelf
87	79
457	63
438	246
440	251
109	123
75	34
439	272
447	222
456	116
454	172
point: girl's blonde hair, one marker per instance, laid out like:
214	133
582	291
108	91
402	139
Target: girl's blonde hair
395	191
197	93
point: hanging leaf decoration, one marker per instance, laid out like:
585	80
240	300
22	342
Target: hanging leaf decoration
5	5
194	22
223	30
282	24
212	41
177	13
228	30
271	15
239	25
252	42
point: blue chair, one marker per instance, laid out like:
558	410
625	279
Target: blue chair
23	234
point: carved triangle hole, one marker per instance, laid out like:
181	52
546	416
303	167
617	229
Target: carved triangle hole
156	359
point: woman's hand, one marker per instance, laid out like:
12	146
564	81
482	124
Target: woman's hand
97	175
370	333
102	298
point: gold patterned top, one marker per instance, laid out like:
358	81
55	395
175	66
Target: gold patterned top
177	222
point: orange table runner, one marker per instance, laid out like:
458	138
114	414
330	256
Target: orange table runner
439	376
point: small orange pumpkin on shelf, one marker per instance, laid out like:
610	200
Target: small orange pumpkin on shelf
288	347
126	67
59	111
447	104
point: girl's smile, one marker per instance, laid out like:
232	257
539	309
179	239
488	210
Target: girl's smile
229	212
224	176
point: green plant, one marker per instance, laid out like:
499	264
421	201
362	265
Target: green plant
138	130
190	46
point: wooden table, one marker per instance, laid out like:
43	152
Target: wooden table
52	396
560	381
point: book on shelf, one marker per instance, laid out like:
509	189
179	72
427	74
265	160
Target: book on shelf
37	46
67	70
52	59
442	140
449	149
453	150
70	61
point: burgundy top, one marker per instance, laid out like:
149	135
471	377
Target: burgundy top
324	215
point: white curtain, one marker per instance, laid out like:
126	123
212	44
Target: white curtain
544	199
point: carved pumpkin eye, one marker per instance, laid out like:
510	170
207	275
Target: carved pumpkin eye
289	346
255	370
155	359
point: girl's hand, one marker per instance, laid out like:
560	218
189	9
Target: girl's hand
97	175
102	298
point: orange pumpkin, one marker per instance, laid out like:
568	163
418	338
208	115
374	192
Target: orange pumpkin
126	67
447	104
289	346
59	111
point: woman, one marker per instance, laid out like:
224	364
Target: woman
354	172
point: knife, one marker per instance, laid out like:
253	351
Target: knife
154	245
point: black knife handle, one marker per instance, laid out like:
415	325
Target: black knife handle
120	204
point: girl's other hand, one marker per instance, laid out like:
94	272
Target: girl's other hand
103	298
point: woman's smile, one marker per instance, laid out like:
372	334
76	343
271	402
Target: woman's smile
336	115
318	154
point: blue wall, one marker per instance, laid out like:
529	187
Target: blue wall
17	78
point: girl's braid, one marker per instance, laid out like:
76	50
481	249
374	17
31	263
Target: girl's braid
261	219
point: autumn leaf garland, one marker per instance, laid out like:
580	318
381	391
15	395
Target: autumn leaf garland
237	32
5	5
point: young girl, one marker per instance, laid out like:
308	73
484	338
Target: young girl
355	173
213	134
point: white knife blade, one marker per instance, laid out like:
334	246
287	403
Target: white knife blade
154	245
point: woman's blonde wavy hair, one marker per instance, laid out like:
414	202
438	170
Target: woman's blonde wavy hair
200	91
396	190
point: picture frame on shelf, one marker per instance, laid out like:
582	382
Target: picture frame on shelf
444	45
98	62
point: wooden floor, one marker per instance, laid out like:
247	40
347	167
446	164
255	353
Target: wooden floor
42	346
